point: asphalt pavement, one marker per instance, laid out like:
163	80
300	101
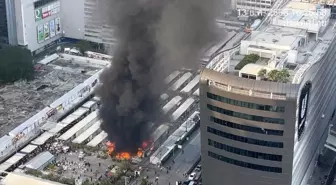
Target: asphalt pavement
179	162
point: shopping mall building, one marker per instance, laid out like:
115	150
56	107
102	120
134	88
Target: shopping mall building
37	24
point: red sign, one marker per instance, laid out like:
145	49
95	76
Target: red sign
45	14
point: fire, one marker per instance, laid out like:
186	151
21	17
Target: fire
110	147
140	153
123	155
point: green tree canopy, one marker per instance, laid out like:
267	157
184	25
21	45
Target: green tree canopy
262	73
272	75
279	76
15	63
84	45
248	59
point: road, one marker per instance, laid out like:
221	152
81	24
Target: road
191	153
182	162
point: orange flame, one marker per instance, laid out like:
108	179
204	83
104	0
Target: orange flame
123	156
110	147
140	153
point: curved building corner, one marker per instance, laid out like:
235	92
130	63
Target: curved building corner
248	129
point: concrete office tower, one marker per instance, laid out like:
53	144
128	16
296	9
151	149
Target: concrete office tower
265	122
7	22
252	7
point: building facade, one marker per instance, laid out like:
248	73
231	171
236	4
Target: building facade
265	121
252	7
7	22
41	23
250	138
38	23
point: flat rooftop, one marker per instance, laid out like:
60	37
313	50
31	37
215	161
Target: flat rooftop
21	100
297	5
279	35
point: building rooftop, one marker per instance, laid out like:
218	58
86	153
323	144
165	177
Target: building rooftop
282	42
21	100
278	35
298	5
20	178
253	69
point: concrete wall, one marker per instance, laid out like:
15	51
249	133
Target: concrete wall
11	22
246	43
214	170
72	16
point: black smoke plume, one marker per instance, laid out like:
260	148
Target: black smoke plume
154	37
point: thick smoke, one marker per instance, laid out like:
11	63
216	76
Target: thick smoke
186	27
154	37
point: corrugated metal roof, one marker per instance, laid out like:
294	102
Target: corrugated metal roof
20	178
42	138
28	149
39	160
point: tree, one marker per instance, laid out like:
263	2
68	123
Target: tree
15	63
262	73
272	75
248	59
283	76
84	46
279	76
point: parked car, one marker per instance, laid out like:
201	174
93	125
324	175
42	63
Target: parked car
192	176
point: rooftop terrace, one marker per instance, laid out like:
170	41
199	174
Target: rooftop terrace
294	48
276	35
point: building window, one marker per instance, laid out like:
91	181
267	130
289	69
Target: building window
245	139
246	116
41	3
246	127
243	152
244	164
246	104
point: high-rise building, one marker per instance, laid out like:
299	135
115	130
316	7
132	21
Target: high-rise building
252	7
265	105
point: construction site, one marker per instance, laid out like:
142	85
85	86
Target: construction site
21	100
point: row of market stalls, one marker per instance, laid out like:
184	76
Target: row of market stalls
32	155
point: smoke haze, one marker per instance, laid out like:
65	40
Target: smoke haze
154	37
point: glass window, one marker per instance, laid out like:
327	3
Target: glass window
40	3
246	127
244	164
242	139
246	104
246	116
243	152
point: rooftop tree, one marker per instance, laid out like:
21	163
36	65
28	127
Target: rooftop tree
15	63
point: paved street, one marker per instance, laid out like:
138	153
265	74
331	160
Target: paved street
191	153
182	162
73	167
